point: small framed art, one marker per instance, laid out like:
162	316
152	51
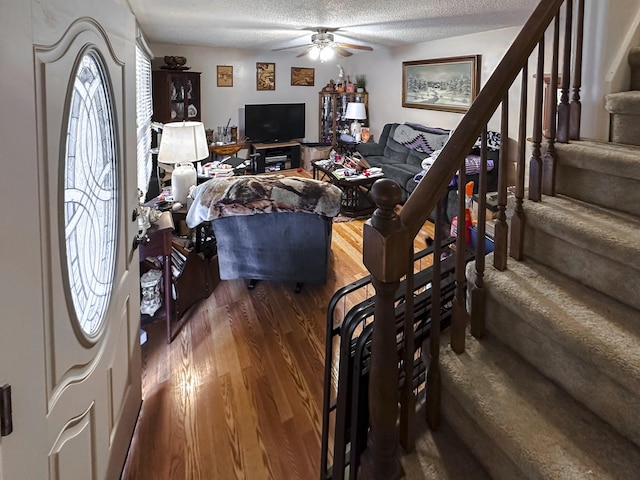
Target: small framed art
225	75
265	76
302	77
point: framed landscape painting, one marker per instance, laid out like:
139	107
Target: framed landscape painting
303	77
265	76
225	75
446	84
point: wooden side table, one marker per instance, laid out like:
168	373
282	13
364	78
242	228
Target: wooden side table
159	245
227	149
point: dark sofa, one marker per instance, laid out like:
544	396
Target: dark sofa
402	148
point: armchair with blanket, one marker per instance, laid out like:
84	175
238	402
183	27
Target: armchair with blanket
269	227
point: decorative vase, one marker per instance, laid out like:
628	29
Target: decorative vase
183	178
150	284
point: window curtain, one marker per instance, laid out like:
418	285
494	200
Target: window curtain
144	111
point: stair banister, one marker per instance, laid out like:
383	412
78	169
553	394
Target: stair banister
387	238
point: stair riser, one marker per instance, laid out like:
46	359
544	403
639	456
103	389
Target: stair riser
625	128
611	277
571	366
634	63
598	188
483	446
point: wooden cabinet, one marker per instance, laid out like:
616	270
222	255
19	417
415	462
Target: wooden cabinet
176	96
273	157
333	107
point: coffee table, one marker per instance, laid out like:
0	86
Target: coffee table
356	200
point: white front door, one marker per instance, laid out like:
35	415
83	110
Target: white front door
69	297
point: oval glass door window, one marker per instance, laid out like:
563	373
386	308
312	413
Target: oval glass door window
90	196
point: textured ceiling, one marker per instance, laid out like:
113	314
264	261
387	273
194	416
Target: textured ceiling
274	24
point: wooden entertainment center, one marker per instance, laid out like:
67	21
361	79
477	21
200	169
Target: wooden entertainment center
275	156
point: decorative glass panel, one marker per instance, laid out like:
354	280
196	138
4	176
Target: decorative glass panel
90	196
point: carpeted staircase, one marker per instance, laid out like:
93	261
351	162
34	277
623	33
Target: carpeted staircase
553	389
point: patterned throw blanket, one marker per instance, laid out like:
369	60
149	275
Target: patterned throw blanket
420	140
249	195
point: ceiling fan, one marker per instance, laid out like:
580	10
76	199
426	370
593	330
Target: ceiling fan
324	47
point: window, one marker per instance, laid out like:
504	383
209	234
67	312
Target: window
90	195
144	111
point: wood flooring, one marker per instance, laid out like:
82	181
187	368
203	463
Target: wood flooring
238	393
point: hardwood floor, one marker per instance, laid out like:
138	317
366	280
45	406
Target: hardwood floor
238	394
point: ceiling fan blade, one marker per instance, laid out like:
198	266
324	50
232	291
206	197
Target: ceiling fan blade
342	52
306	51
289	48
357	47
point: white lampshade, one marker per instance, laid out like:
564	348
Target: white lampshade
355	111
183	143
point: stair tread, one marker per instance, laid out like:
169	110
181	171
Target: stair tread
539	426
593	325
611	233
609	158
624	102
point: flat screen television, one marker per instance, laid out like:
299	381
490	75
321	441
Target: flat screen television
274	122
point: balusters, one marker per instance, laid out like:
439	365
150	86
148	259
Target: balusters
518	218
576	106
407	397
459	311
478	294
550	157
432	354
502	230
535	164
564	108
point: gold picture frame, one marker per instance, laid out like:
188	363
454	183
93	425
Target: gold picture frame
224	74
265	76
445	84
303	77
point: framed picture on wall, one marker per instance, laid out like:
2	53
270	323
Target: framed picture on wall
446	84
225	75
265	76
302	77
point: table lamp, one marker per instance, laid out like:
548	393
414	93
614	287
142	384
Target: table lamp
183	143
355	112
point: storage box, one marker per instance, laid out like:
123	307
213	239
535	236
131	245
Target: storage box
488	241
310	152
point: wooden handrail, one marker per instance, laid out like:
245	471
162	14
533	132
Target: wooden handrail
388	238
424	198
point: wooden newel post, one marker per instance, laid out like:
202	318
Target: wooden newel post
385	250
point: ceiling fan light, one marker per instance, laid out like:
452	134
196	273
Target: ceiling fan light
326	54
314	53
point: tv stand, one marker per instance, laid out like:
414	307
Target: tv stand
275	156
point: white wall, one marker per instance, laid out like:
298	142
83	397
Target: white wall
221	103
384	75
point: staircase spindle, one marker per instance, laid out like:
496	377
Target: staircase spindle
535	164
564	109
459	312
518	220
407	396
550	157
576	105
502	230
432	354
478	294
